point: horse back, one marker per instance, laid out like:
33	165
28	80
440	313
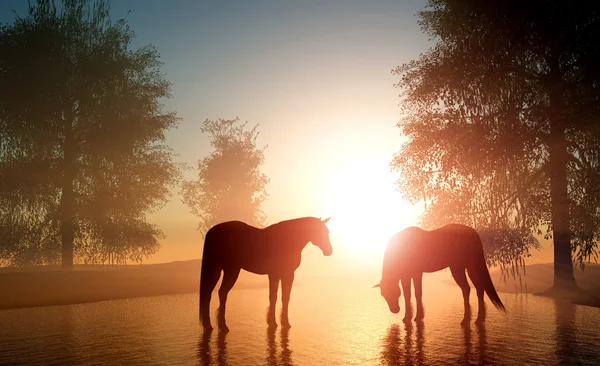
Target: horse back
458	237
419	250
228	235
239	245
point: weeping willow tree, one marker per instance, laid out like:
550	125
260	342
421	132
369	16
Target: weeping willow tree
82	132
501	116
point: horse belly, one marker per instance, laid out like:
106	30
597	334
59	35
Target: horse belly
261	262
271	263
257	262
430	261
434	267
257	268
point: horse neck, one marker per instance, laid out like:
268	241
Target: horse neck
390	274
391	266
292	232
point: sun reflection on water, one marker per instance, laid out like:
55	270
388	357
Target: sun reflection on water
333	323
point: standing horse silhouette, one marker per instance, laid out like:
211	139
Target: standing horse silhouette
274	251
413	251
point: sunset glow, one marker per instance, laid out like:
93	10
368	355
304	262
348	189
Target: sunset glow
299	183
365	208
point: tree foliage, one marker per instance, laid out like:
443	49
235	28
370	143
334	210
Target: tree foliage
502	120
230	185
82	154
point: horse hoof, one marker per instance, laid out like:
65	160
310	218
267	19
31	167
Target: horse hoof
207	327
223	328
286	325
479	321
406	320
205	323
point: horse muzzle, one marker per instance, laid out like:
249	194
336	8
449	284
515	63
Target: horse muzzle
395	309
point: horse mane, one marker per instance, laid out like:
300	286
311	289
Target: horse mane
301	222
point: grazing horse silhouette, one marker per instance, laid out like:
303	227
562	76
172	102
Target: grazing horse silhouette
413	251
275	251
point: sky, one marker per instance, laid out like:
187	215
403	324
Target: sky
316	77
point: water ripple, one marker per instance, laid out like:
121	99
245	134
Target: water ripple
332	325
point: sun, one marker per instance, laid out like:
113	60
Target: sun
365	208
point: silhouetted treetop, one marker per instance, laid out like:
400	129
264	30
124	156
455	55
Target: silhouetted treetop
230	185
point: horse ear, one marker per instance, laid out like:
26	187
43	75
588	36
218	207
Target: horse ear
377	285
326	220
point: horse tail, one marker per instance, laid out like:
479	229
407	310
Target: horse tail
207	266
484	275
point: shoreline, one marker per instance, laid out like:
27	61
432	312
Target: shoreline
539	282
86	284
50	286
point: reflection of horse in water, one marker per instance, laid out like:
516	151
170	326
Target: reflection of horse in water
285	358
414	251
394	354
204	353
275	251
480	356
408	350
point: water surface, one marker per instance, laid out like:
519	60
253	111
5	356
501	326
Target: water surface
333	323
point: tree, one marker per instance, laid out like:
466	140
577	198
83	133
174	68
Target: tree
502	120
82	159
230	185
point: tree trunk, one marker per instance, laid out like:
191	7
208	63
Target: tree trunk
564	278
563	264
67	201
66	225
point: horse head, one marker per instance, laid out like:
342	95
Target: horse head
391	293
320	237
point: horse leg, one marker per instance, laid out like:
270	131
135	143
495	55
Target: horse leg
273	287
479	287
286	290
418	283
407	295
206	290
461	281
229	277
